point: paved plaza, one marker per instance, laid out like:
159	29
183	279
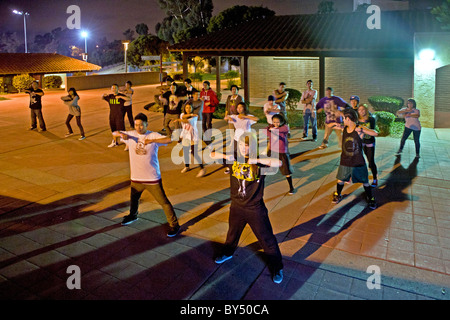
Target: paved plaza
62	201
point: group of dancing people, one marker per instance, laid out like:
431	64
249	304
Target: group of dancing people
188	110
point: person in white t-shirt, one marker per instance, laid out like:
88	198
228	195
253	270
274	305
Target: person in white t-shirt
271	109
189	136
242	123
144	170
412	125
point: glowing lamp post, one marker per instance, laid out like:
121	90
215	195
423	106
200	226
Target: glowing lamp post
125	44
24	14
84	34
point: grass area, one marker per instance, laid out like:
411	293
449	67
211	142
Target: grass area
3	98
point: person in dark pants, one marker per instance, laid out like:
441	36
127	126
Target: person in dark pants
71	100
247	204
211	101
145	173
367	120
116	103
36	106
129	104
412	125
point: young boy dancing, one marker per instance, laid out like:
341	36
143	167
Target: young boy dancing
247	204
352	163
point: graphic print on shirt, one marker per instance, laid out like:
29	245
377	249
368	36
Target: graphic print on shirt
330	109
140	148
244	172
351	146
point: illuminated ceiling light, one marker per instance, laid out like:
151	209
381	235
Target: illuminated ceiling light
427	54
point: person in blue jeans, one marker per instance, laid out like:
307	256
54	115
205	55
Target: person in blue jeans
308	100
412	125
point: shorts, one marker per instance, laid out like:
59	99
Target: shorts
358	174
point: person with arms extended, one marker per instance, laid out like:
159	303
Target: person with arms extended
71	100
247	204
116	102
145	171
412	125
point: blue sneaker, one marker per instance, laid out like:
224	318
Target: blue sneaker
278	277
222	259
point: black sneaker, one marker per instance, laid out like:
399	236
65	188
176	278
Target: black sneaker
129	219
372	203
173	231
336	198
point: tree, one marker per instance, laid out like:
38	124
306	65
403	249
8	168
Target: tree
107	53
326	7
145	45
9	42
129	34
185	19
142	29
442	14
236	15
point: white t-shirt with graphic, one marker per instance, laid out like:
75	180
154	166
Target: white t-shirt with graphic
144	163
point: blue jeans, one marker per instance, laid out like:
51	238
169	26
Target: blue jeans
306	118
406	134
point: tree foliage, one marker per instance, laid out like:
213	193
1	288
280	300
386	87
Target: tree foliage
442	14
145	45
326	7
185	19
236	15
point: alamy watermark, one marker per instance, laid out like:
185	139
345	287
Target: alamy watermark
374	280
74	20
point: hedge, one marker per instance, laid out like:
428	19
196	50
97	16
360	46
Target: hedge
384	121
52	82
386	103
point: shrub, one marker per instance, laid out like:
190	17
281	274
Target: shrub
52	82
293	98
22	82
386	103
384	121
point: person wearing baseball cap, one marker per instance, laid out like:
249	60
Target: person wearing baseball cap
354	102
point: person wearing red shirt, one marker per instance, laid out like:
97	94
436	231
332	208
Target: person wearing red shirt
211	101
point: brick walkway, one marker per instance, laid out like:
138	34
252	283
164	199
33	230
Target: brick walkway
62	200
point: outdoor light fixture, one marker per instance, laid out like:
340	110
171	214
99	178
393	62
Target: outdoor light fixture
125	44
427	55
84	34
24	14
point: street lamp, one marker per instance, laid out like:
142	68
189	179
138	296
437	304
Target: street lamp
84	34
125	44
24	14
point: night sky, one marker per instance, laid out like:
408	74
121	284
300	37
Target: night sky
111	18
